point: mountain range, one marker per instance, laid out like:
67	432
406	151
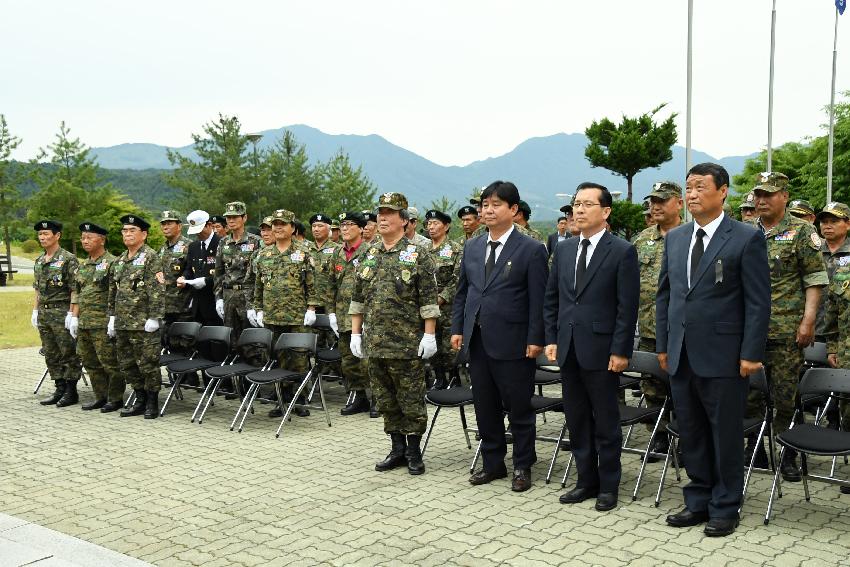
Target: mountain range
541	167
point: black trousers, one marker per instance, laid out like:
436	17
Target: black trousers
499	386
710	415
593	419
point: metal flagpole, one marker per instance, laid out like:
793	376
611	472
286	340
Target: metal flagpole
770	90
832	112
689	96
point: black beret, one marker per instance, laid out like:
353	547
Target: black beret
91	227
467	210
523	206
299	227
353	216
370	216
567	209
135	221
218	219
438	215
319	217
47	224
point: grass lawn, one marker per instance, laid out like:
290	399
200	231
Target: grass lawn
21	280
16	251
15	328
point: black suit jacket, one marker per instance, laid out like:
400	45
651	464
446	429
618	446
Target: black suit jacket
600	316
552	242
723	316
202	265
509	305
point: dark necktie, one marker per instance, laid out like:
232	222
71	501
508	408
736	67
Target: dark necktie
203	247
491	259
696	253
581	267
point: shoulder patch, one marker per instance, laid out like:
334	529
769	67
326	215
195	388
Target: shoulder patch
816	241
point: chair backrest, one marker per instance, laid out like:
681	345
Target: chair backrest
543	363
647	363
186	330
213	342
304	342
759	383
255	337
825	381
815	355
462	358
323	322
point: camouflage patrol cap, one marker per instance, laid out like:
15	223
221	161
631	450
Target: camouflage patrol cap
267	221
801	207
170	215
47	224
749	201
664	190
334	224
646	210
836	209
235	209
394	201
771	182
282	215
475	199
413	213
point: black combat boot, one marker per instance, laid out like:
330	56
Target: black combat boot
359	403
57	394
788	467
413	453
440	383
761	455
112	406
300	408
396	458
152	405
97	404
373	408
138	407
70	397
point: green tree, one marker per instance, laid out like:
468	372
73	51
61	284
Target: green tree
345	188
788	158
10	202
626	219
294	184
632	146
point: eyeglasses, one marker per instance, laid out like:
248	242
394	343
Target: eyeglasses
347	224
585	205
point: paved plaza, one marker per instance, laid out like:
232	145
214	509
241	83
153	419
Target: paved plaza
170	492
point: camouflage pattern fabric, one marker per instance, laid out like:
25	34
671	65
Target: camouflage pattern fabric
650	249
139	360
784	359
833	260
837	323
175	299
53	281
340	285
447	257
399	389
91	291
135	295
290	360
354	370
232	264
97	353
534	234
284	284
420	240
323	264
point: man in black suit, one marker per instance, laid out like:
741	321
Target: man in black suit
590	313
200	268
497	320
712	314
561	234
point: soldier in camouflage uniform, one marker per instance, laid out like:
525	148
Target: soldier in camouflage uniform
335	232
285	295
665	207
802	210
53	280
394	288
747	208
321	249
172	256
834	222
135	310
468	216
344	262
447	255
410	231
797	277
232	264
370	231
521	217
89	302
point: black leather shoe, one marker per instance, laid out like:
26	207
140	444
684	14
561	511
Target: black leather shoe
486	477
845	490
522	480
606	501
111	406
789	469
57	394
686	518
359	404
577	495
276	412
97	404
719	527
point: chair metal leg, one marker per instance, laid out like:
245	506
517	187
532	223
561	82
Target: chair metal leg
646	455
567	471
177	380
772	492
556	451
83	376
804	465
465	427
289	407
215	383
204	395
751	465
663	474
131	399
40	382
430	429
322	398
475	458
242	406
250	405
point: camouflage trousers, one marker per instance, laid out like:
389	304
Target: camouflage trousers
180	344
783	358
354	370
235	312
97	353
444	360
60	353
290	360
652	391
399	389
138	359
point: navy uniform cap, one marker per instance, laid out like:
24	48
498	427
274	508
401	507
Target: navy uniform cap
135	220
47	224
218	219
91	227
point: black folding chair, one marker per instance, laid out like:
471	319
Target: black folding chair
811	438
327	354
452	397
212	348
252	342
185	330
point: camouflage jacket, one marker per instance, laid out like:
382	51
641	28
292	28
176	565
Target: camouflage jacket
796	263
832	260
341	284
173	258
650	249
135	295
420	240
534	234
232	262
53	279
284	284
91	290
447	258
837	312
393	289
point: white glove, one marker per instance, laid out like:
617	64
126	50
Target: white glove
74	326
34	318
259	318
252	317
68	317
332	322
197	283
151	325
110	327
309	317
428	345
356	345
219	308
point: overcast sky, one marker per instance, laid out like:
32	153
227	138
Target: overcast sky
454	81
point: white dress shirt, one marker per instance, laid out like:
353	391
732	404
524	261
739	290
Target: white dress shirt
594	241
709	229
502	240
206	243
